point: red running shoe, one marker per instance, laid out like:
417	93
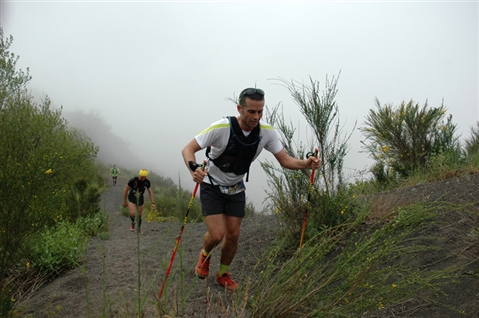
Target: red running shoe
203	267
227	282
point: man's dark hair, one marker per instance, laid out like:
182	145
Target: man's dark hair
251	93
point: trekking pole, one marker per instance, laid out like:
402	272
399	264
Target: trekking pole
311	181
193	195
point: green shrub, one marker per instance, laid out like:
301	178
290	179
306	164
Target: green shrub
64	246
93	224
407	137
290	193
439	167
384	176
332	210
41	159
83	199
58	248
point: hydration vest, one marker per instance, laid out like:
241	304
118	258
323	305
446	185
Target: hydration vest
240	150
139	186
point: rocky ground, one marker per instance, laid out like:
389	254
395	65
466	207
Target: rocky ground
107	285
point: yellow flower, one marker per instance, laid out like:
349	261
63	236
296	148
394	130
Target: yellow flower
342	212
49	171
394	285
28	264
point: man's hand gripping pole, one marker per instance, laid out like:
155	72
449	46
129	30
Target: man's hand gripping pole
311	182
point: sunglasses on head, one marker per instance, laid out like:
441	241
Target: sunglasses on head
251	91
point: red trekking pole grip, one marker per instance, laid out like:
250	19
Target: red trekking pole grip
311	182
178	239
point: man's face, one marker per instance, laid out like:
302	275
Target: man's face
141	178
250	114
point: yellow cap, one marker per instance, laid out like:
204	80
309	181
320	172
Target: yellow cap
143	173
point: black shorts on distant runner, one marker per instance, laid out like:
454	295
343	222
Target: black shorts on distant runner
214	202
132	199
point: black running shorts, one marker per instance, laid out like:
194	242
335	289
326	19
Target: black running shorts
132	199
214	202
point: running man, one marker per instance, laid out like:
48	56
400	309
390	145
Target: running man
233	143
114	174
135	189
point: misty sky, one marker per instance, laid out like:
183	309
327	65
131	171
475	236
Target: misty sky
160	72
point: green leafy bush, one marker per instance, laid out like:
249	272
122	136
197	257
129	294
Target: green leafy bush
64	245
58	248
93	224
405	138
41	159
83	199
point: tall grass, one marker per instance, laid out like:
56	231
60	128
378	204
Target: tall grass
348	270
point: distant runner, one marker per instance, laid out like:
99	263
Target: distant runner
114	174
135	189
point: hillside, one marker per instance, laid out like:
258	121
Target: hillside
111	266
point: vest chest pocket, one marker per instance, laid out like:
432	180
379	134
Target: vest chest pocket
226	164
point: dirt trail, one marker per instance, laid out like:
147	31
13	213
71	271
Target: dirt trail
111	277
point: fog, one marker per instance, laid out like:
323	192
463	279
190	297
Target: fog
160	72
